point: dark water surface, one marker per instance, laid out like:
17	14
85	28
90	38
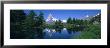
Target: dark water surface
58	34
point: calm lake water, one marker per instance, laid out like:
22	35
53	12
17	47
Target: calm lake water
61	34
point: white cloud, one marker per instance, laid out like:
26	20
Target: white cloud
54	19
64	21
47	20
87	16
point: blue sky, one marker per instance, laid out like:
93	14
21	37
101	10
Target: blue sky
65	14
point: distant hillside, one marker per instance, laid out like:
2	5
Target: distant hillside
96	18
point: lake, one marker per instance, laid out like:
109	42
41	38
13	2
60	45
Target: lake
59	34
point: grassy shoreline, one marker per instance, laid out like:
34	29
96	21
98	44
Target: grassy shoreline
92	32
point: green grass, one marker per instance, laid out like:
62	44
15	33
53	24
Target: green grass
92	32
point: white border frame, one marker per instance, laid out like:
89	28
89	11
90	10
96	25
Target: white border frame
8	41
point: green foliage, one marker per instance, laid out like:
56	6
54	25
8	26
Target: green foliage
23	26
69	26
29	21
39	21
32	14
93	32
26	26
34	23
56	24
17	17
75	24
69	20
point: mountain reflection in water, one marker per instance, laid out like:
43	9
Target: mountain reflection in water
59	33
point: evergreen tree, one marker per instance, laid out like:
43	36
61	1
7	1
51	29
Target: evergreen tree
69	20
32	14
73	22
29	21
29	25
17	15
41	18
17	18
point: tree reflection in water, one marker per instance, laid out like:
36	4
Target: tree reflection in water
58	33
39	33
58	30
69	31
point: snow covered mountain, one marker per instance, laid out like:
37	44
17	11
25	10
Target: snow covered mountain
52	19
87	17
